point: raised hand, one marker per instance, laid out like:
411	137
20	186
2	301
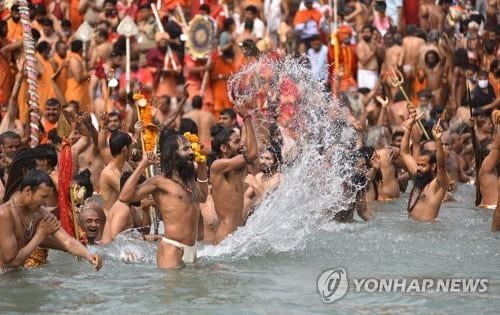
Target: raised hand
382	100
149	158
103	121
408	124
437	130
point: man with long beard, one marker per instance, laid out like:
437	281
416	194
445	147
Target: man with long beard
429	174
177	192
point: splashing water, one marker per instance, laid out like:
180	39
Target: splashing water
313	188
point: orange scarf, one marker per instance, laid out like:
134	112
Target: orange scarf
306	15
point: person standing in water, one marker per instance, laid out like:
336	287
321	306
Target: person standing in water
429	174
177	193
228	173
24	225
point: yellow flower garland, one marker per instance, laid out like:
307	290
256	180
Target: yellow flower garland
199	157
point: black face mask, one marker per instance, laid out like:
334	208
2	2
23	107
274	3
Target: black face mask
422	179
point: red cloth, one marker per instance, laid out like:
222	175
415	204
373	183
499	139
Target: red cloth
410	10
65	176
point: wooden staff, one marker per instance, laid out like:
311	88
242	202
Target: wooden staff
204	82
397	81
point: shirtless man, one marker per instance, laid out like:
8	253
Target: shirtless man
24	225
366	51
411	48
177	192
429	190
92	219
124	216
203	119
102	48
228	172
454	163
488	174
385	185
358	15
393	58
265	181
119	145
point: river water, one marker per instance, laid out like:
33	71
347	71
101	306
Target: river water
458	245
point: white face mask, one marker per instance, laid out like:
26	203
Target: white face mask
482	83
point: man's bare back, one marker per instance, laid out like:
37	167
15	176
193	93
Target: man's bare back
110	185
91	159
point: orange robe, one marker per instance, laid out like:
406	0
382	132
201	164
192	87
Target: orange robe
63	75
219	87
15	30
6	79
347	65
45	90
75	16
77	91
303	16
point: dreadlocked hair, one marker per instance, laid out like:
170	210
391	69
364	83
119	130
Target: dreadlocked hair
24	160
169	145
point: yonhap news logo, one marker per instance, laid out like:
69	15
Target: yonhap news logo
333	284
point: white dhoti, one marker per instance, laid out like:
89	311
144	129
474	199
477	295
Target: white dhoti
367	78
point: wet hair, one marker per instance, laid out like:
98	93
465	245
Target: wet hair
366	153
228	112
275	150
220	136
9	135
197	102
83	179
169	145
22	161
77	46
117	141
47	152
188	125
252	9
34	178
460	58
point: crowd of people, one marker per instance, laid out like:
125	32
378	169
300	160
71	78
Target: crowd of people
419	82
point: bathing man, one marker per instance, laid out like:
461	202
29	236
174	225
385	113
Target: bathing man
177	192
429	174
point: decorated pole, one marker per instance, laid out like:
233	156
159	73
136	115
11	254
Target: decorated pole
32	71
128	29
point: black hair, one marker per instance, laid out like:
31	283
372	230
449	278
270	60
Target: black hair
36	34
188	125
54	137
43	46
169	145
367	26
66	23
248	25
77	46
315	37
220	136
22	161
83	179
46	152
3	28
275	150
53	102
430	154
114	114
228	112
40	10
47	22
228	23
460	58
205	7
411	30
252	9
34	178
197	102
366	153
117	141
14	8
9	135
